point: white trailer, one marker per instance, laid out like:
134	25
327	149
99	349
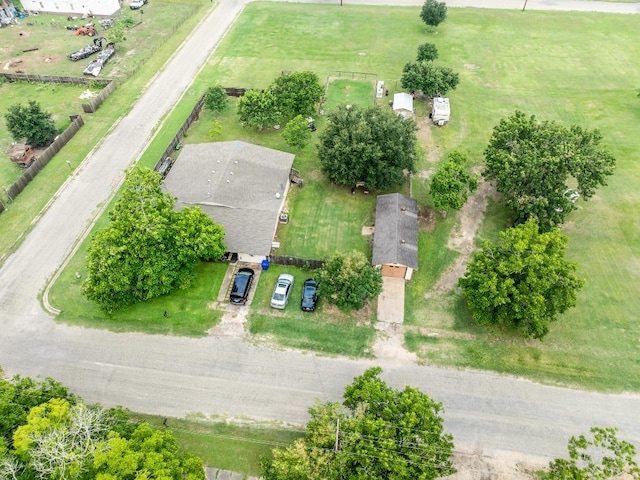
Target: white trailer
440	111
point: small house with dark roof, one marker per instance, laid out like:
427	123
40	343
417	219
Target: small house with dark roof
241	186
395	238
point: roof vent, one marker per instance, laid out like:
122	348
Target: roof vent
403	209
402	241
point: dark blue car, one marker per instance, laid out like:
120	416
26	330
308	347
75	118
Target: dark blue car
309	295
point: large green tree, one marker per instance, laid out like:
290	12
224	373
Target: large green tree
349	280
378	432
599	456
523	281
30	122
18	395
149	249
430	79
148	453
541	167
297	93
370	145
258	109
433	13
452	183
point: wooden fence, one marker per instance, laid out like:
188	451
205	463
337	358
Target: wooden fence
30	173
91	107
296	261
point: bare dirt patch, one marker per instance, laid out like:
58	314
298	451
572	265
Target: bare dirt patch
462	238
426	218
425	137
232	322
471	66
389	343
475	466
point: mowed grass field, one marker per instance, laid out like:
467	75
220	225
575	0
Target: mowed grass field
571	67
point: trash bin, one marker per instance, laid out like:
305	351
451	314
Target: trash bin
265	264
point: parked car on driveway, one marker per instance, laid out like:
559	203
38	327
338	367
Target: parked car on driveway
136	4
309	295
241	286
282	291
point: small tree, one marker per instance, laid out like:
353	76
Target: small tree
602	456
216	99
433	13
452	183
116	34
522	282
349	280
258	109
428	78
30	123
536	165
297	133
427	52
297	93
371	145
379	432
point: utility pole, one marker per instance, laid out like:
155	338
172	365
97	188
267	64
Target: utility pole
337	445
524	6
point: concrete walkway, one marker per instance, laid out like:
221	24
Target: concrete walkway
391	300
217	474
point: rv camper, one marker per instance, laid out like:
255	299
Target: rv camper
441	111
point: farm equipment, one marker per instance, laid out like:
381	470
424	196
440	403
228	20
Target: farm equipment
22	155
96	65
88	30
87	50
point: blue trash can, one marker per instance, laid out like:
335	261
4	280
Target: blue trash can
265	264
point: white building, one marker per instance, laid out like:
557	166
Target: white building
403	104
73	7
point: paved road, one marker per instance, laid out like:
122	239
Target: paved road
174	376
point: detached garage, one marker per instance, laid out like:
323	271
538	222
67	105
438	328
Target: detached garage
395	238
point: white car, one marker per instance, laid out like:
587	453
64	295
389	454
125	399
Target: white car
282	291
136	4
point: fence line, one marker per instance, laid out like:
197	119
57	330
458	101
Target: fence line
91	107
59	142
289	260
165	162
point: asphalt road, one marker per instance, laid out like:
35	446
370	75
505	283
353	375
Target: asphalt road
496	415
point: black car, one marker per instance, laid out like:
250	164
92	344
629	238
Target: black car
241	286
309	295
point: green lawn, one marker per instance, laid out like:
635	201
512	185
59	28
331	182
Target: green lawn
349	92
226	446
326	330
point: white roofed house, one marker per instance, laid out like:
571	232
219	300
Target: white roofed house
241	186
75	7
395	238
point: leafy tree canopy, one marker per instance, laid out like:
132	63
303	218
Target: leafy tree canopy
382	433
216	99
601	456
540	166
149	249
452	183
149	453
430	79
258	109
433	13
349	280
297	93
427	52
19	394
522	282
297	133
31	123
370	145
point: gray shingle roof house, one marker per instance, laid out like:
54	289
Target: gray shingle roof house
395	239
239	185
